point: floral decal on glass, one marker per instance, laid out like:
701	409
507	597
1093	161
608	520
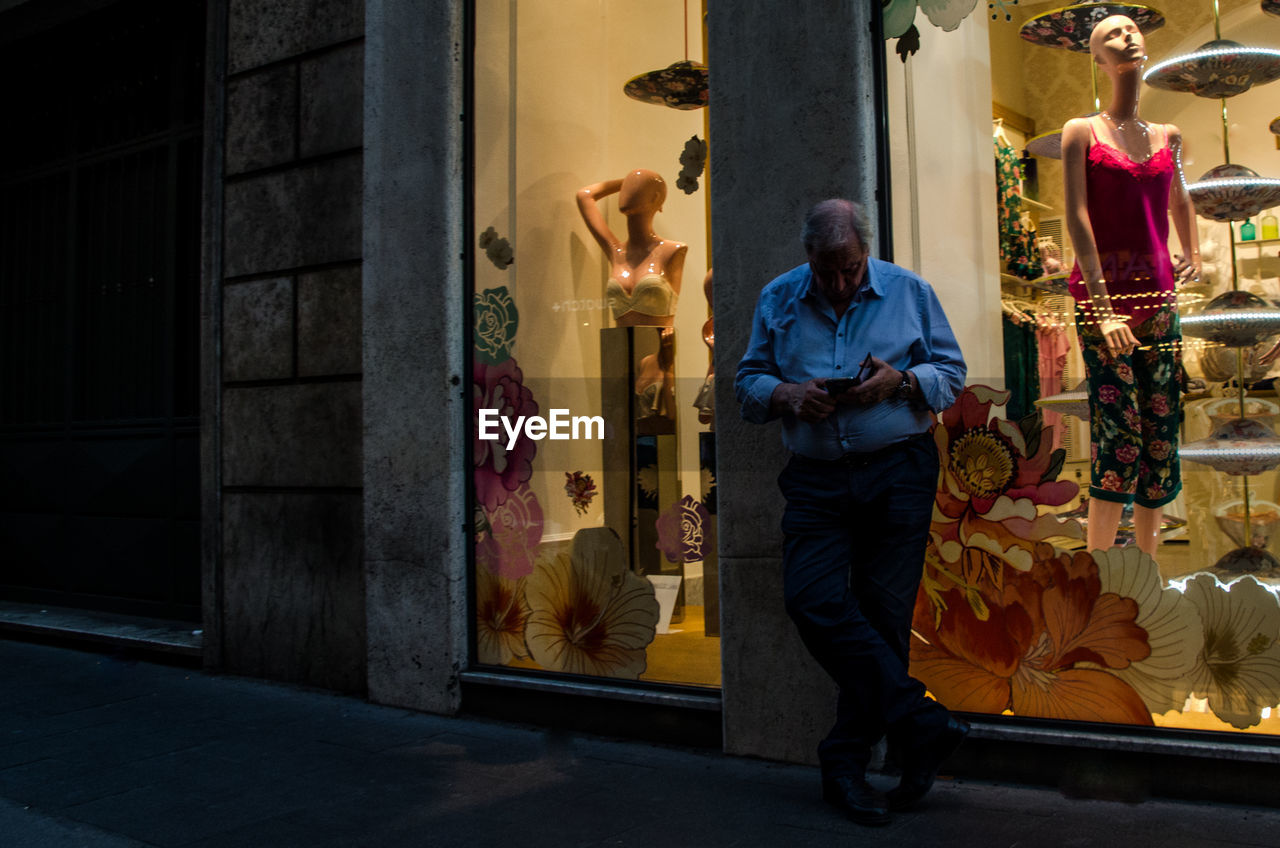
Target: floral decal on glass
496	320
682	535
1048	644
1005	623
509	543
998	481
499	471
501	615
1238	669
581	489
588	612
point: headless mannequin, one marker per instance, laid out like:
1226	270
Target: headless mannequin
1119	49
644	253
659	370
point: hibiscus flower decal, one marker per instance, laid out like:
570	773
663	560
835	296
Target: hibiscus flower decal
501	615
1049	646
1238	670
998	480
498	471
588	612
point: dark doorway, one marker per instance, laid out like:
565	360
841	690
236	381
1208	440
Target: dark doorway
99	310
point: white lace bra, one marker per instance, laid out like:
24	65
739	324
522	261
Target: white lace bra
652	295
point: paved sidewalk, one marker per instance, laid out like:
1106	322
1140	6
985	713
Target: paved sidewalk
99	752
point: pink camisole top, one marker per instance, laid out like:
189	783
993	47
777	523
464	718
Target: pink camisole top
1128	205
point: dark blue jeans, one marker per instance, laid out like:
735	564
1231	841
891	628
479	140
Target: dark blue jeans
855	536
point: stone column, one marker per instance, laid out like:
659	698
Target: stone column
416	396
792	122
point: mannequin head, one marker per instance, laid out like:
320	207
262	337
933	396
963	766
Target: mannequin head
1116	44
642	191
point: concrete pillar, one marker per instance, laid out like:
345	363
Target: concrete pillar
792	123
416	396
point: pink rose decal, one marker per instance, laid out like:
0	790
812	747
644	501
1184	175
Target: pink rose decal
1127	453
1160	449
1124	372
510	546
1160	404
669	535
1108	394
1111	482
499	471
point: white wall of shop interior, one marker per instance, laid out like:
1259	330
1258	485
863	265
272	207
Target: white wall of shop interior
943	182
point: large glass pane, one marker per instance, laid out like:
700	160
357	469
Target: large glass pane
1016	614
595	538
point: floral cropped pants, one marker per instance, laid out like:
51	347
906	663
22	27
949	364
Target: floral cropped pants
1134	411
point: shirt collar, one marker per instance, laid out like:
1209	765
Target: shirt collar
871	285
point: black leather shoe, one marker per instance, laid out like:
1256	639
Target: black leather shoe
857	799
922	761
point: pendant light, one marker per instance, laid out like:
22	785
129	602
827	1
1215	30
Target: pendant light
682	85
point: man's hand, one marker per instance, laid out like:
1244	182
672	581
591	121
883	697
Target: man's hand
807	401
879	385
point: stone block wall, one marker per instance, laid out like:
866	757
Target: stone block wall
292	595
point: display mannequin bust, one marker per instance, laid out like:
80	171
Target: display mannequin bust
1123	178
645	270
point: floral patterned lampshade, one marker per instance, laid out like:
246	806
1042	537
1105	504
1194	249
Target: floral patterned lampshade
1218	68
681	85
1227	409
1263	517
1239	447
1070	27
1233	193
1074	402
1046	145
1234	319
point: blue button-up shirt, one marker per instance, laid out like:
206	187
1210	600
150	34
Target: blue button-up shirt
796	336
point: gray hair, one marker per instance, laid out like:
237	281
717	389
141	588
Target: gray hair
829	225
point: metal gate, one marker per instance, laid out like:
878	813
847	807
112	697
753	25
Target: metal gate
99	311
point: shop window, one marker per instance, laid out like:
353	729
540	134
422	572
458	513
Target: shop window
1016	615
594	473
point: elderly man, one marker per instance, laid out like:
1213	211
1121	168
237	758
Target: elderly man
854	355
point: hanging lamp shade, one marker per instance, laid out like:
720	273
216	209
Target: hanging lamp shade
1233	193
1074	402
1234	319
681	85
1070	26
1218	68
1275	125
1239	447
1271	7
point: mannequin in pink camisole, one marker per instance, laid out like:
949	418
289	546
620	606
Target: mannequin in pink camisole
1121	252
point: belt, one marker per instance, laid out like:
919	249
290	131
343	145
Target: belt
861	459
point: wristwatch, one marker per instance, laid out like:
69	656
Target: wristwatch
903	391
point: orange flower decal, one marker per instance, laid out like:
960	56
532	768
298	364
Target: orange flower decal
1046	646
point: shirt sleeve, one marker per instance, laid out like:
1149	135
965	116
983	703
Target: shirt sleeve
758	372
940	370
